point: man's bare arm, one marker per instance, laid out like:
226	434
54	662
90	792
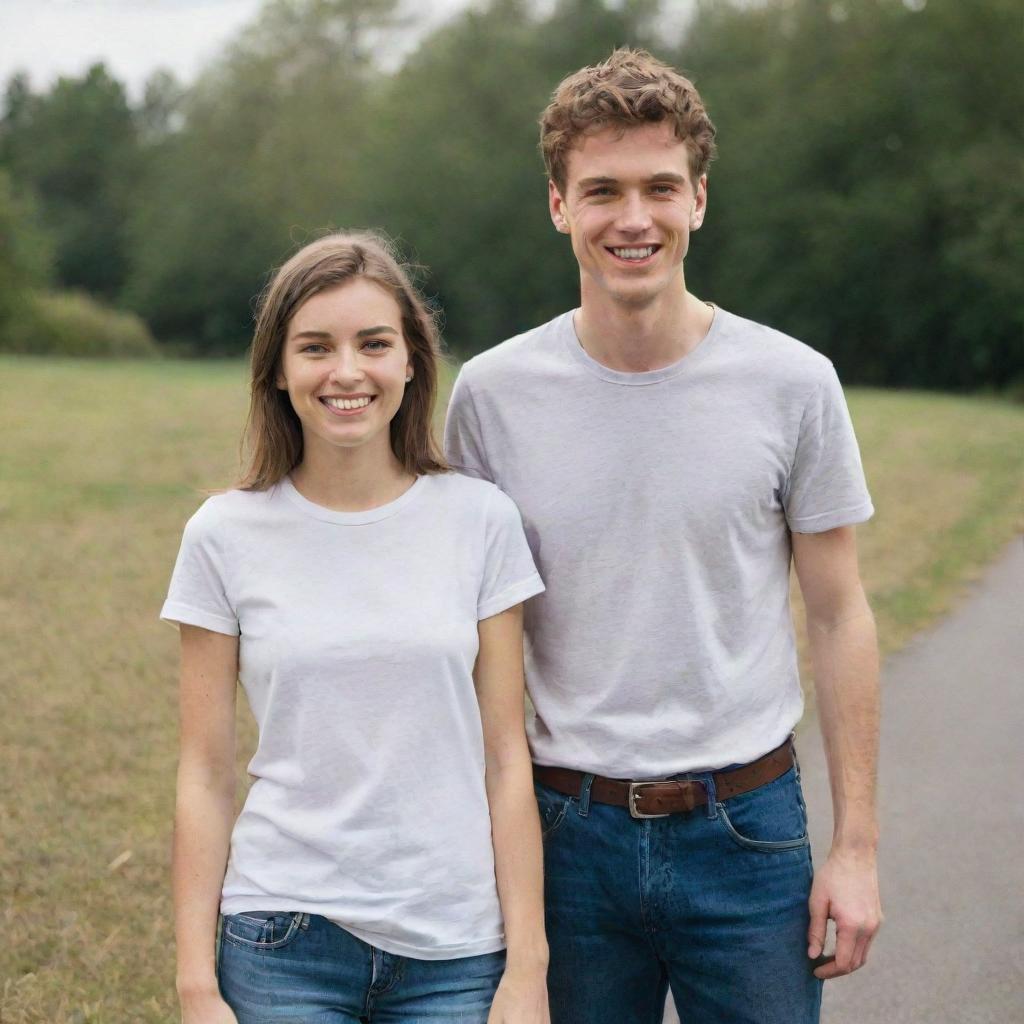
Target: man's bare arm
844	656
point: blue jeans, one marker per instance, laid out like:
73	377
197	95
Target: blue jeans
304	969
712	903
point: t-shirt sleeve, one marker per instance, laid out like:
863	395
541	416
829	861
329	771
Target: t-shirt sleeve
463	440
826	487
197	595
510	575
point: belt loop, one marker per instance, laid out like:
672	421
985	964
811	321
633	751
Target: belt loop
588	781
709	786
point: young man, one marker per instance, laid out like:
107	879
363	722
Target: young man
669	459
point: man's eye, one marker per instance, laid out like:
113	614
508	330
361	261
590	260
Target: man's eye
604	191
663	189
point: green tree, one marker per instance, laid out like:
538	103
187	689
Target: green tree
461	179
25	256
866	198
276	145
298	128
74	149
159	114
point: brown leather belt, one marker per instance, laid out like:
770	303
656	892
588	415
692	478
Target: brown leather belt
659	799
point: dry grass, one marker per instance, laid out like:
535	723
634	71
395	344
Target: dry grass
101	466
947	478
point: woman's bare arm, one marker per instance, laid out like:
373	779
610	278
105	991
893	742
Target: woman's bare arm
515	825
204	814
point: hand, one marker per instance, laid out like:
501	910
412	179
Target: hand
205	1007
522	998
846	890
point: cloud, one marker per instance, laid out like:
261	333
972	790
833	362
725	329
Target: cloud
48	38
57	37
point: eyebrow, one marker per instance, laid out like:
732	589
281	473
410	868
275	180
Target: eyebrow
672	176
364	333
379	329
584	183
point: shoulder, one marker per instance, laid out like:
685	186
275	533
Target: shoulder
466	490
772	354
473	495
527	354
224	513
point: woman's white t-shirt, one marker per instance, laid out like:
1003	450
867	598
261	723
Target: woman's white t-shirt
357	640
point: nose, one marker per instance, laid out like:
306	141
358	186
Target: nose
634	216
346	368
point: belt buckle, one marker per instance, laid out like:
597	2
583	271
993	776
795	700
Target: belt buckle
633	812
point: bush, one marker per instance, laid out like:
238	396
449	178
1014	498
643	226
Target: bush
26	251
74	324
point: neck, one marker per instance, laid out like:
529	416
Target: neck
350	479
641	337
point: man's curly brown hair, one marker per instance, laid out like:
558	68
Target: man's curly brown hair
629	89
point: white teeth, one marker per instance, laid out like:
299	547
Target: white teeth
634	254
345	403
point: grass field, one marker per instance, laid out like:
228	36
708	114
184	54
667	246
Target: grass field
101	465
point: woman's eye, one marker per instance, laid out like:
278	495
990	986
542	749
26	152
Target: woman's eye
374	345
314	349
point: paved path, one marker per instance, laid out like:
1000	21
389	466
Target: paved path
952	816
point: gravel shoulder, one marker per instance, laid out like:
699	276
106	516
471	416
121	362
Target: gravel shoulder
952	820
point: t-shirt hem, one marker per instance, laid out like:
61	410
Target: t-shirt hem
831	520
174	612
388	943
671	768
454	951
510	596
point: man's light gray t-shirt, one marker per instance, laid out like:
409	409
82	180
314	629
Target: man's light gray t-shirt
658	507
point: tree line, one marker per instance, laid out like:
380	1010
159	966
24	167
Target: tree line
866	199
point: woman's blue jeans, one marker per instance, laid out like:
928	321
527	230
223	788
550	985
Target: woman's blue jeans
712	904
302	968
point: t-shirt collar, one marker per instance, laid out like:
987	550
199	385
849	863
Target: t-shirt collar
692	358
361	518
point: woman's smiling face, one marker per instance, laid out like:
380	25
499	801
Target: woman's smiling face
344	365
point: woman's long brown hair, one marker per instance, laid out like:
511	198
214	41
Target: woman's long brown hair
272	442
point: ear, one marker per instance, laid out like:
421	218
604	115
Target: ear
556	207
279	382
700	203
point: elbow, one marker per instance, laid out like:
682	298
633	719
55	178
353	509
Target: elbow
840	611
210	776
508	764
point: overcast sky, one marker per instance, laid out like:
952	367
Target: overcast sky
48	38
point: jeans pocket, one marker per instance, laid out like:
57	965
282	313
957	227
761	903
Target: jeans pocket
553	807
769	819
262	931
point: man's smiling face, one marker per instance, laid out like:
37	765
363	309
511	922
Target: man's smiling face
629	206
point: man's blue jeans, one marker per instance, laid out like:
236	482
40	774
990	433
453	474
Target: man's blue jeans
302	968
712	903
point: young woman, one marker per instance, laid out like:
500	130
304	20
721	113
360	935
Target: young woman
370	603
